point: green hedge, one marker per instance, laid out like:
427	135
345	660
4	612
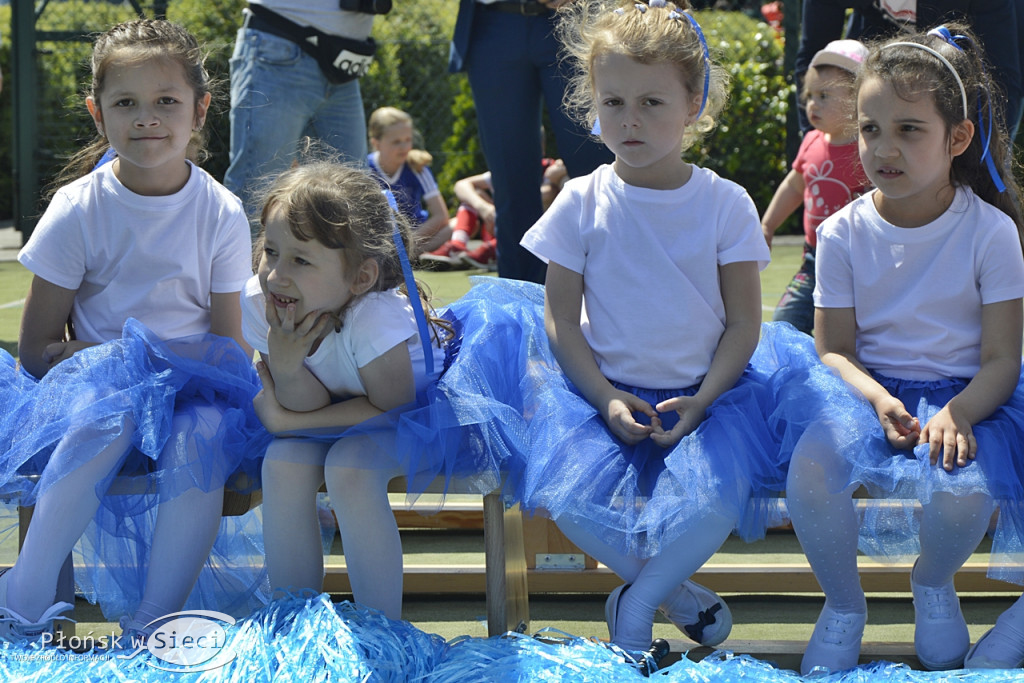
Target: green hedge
410	72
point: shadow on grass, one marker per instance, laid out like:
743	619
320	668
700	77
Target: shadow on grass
10	347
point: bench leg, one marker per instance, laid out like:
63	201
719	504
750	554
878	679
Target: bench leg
508	606
65	579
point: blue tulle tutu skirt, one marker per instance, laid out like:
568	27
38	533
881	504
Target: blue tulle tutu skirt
806	393
455	435
559	457
186	405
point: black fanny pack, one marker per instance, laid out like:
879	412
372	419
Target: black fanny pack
341	59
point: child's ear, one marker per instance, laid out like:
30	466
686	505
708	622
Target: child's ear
97	114
366	276
202	106
960	137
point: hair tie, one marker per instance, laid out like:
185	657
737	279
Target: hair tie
410	286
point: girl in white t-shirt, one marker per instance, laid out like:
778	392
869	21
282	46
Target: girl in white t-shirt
350	363
133	326
643	428
918	297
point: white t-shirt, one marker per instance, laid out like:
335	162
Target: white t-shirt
156	259
374	324
652	305
918	292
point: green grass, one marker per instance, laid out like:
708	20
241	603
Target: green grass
444	286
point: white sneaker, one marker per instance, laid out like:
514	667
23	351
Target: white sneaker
699	613
941	639
835	642
1002	646
16	628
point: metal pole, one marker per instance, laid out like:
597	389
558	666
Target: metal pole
24	88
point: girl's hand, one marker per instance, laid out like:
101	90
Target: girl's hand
55	353
951	433
268	409
618	415
289	342
902	429
691	411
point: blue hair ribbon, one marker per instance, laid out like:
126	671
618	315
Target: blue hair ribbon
411	288
984	127
707	57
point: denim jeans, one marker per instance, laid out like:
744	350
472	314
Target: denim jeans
796	306
278	95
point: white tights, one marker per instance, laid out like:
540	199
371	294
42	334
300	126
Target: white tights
652	580
827	526
186	527
292	473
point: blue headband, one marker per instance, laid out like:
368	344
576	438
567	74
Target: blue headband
984	126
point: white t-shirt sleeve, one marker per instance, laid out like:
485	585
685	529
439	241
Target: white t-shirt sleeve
741	238
556	234
232	261
833	281
254	316
56	250
379	323
1002	265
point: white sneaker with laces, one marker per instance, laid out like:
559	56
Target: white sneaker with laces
16	628
835	642
699	613
941	639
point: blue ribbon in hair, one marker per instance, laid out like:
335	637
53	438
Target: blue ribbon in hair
410	286
984	123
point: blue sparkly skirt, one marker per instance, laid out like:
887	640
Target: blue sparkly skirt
559	457
187	406
806	392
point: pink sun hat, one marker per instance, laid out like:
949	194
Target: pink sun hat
845	54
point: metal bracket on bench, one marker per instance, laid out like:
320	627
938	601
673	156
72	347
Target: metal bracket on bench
559	561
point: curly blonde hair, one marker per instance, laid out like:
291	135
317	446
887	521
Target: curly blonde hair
656	34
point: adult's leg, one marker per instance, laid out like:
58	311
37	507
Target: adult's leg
507	95
293	471
275	90
369	533
60	518
340	121
579	150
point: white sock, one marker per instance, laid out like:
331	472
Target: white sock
292	474
60	518
186	525
654	580
369	533
826	523
951	529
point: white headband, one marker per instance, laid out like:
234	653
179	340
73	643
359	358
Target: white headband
949	65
